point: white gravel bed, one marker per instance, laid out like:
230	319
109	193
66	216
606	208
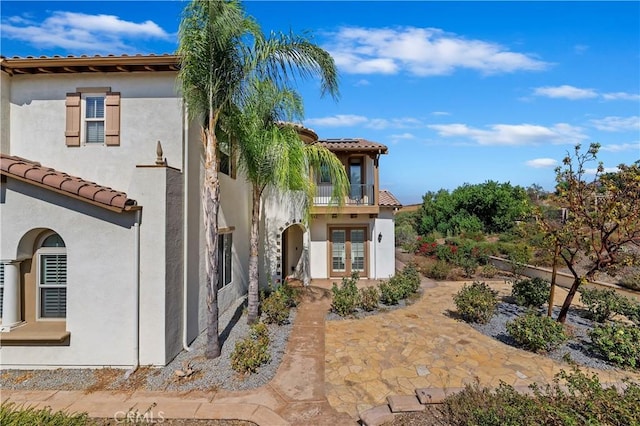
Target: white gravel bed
208	374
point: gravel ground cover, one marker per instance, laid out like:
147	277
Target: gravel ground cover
577	348
207	374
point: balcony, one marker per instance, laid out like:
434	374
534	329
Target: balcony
361	199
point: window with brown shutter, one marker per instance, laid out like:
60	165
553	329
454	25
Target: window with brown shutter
112	125
93	117
72	130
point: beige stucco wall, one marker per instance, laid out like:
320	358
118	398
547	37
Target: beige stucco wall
150	110
5	111
172	249
280	210
100	294
381	255
234	213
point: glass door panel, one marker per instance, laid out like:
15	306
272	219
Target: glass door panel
338	250
355	178
357	250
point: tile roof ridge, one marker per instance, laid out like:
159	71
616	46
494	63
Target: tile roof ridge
33	172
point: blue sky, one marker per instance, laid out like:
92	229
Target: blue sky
461	92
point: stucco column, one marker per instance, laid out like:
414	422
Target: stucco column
11	314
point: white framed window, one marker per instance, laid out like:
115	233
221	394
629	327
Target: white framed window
52	278
93	118
225	264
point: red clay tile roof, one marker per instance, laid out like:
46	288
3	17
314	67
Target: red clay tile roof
352	145
387	199
34	173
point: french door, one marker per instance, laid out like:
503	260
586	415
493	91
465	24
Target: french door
348	251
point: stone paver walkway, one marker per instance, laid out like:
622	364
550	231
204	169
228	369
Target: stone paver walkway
422	346
296	395
334	370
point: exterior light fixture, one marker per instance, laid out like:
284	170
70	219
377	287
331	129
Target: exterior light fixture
380	237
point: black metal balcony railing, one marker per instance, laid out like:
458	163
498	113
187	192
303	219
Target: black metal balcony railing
358	195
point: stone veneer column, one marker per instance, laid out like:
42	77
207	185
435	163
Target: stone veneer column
11	314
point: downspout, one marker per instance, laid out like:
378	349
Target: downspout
136	340
185	231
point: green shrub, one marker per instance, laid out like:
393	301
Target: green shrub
275	309
602	304
291	294
402	285
618	343
531	292
252	351
468	265
580	400
369	297
410	279
473	235
447	252
488	271
439	270
536	333
17	415
476	302
346	298
390	292
405	235
519	254
631	310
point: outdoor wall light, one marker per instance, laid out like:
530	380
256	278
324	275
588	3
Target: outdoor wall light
380	237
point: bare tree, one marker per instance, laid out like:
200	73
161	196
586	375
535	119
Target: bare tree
603	218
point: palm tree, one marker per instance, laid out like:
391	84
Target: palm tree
220	48
271	154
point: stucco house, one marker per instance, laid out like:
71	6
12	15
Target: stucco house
337	240
101	247
101	227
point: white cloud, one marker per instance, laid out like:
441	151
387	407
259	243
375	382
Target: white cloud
340	120
422	52
347	120
81	33
574	93
621	96
362	82
440	113
617	124
542	163
513	134
565	91
621	147
401	137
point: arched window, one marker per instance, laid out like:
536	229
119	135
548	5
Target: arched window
52	277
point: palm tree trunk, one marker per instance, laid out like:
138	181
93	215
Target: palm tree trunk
254	296
562	317
211	205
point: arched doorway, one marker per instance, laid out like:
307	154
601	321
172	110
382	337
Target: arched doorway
292	248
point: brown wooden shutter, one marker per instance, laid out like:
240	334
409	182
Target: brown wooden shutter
72	130
112	119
